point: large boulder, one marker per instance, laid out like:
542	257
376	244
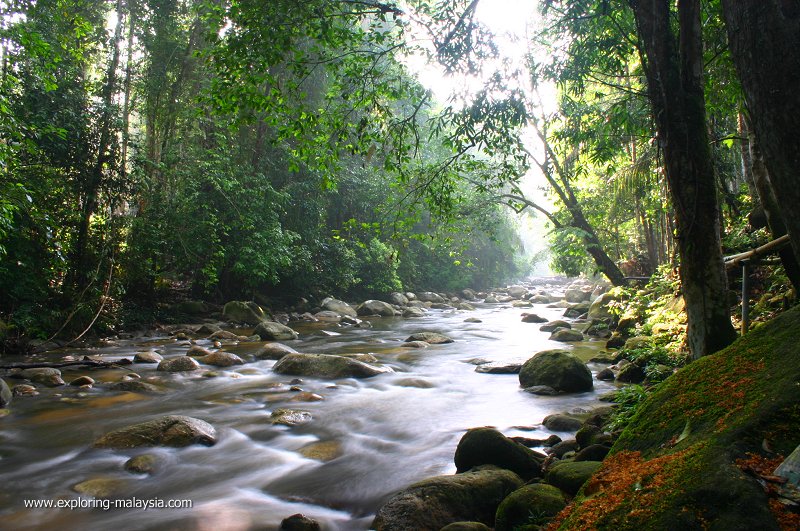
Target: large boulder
221	359
326	366
432	338
271	331
436	502
601	307
340	307
558	369
429	296
414	312
487	446
530	505
374	307
173	430
244	312
570	476
576	310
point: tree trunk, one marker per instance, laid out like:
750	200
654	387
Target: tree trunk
674	75
764	37
770	207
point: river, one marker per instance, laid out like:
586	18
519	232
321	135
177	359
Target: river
372	437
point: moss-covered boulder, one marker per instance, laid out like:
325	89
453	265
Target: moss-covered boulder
271	331
173	430
566	335
558	369
435	502
326	366
551	326
570	476
487	446
601	307
244	312
531	505
690	457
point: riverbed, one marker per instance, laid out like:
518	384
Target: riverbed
366	439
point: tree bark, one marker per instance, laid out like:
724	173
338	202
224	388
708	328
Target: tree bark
674	66
764	38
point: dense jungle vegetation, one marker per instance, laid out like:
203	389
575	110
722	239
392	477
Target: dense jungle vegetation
153	149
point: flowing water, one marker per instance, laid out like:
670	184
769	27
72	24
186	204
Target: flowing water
372	437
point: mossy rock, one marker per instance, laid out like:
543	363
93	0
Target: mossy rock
173	430
244	312
436	502
601	307
570	476
678	463
531	505
487	446
271	331
558	369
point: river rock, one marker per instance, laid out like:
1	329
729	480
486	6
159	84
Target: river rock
143	464
593	452
559	422
532	318
207	329
413	312
375	307
198	351
601	307
565	335
5	394
81	381
225	335
221	359
577	310
429	296
631	373
517	292
415	344
299	522
274	351
499	368
340	307
244	312
307	396
290	417
487	446
269	330
472	320
558	369
530	505
322	450
605	375
491	299
178	364
134	386
561	449
24	390
468	294
398	298
100	487
570	476
147	357
173	430
552	326
431	338
435	502
414	382
326	366
577	295
524	304
465	306
327	316
43	375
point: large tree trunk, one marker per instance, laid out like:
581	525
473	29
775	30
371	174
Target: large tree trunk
674	75
770	206
764	37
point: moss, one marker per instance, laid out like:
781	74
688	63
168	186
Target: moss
531	505
674	467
